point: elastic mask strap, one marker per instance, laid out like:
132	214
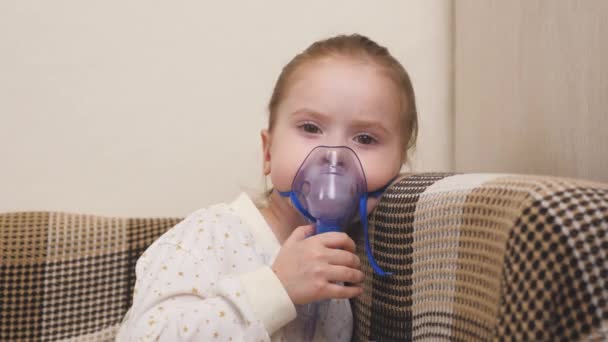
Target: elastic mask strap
368	249
296	202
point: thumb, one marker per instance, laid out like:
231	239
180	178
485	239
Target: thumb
300	233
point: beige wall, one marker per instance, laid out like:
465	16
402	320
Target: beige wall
154	108
531	87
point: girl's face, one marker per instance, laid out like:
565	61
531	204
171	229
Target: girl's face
336	101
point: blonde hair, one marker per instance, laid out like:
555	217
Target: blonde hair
354	46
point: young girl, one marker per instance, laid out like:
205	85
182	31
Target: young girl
233	272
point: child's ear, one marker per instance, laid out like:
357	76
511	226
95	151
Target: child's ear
266	151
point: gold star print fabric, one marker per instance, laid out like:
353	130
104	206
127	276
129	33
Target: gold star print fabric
209	279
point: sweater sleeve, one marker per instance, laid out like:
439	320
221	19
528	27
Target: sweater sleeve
204	282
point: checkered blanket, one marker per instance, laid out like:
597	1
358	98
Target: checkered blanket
475	257
68	276
487	257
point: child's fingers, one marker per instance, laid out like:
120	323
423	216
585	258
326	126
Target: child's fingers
344	274
337	240
300	233
344	258
342	292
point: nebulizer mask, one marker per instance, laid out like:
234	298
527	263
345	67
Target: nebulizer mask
330	189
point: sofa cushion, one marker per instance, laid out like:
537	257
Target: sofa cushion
69	275
485	257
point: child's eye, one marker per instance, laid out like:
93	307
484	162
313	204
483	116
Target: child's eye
365	139
310	128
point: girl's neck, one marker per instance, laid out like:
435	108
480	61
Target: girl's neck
281	216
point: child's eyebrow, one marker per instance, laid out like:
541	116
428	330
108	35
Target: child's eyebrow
357	124
311	112
375	125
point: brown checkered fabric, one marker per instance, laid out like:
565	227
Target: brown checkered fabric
69	276
487	257
474	257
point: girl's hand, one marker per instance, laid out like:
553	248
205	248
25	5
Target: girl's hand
311	268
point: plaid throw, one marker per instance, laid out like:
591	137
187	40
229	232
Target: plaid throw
487	257
69	276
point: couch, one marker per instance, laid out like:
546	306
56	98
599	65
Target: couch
473	256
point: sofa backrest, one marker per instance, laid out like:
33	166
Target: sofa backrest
68	275
486	257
